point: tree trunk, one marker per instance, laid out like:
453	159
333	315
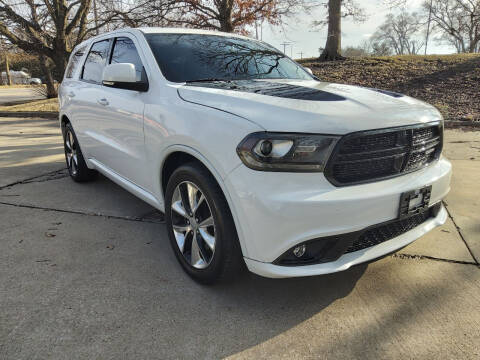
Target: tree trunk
225	11
473	46
61	64
334	38
51	90
7	70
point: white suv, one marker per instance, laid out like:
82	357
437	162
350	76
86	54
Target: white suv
252	159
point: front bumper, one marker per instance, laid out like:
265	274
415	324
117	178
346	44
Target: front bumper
348	260
275	211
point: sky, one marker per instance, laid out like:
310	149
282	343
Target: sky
306	40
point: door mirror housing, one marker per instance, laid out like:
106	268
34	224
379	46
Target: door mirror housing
123	76
307	69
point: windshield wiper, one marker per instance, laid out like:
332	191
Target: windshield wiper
207	80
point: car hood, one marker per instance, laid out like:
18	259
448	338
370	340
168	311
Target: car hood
310	106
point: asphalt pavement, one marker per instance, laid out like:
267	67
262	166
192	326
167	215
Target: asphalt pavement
86	272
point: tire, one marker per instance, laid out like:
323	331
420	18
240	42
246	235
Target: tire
77	168
209	265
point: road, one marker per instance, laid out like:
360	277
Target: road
86	272
17	94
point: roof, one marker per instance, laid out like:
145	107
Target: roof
160	30
164	30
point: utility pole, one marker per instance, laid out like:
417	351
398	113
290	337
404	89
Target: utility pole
7	69
284	44
1	49
301	54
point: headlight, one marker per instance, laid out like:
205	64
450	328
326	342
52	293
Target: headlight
286	152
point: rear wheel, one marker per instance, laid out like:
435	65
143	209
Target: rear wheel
200	226
77	168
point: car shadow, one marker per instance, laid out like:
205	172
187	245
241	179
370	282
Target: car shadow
250	310
273	306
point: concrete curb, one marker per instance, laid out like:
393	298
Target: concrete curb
21	114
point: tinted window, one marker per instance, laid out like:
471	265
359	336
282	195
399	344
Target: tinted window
188	57
124	51
74	61
96	59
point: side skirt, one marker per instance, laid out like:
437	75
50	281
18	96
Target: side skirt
127	184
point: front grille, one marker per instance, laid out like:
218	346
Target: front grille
372	155
378	234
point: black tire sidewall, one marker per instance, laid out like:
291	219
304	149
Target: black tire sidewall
226	239
83	172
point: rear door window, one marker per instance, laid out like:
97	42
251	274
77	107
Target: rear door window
95	62
74	61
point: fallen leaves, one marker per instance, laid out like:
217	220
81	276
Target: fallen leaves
450	82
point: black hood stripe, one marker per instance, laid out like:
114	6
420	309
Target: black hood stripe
267	88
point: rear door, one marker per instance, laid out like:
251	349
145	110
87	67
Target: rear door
70	83
88	115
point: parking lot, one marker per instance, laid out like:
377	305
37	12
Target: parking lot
86	271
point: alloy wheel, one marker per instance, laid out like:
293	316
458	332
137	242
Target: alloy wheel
71	152
193	225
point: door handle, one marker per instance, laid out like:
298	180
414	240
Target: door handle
71	94
103	102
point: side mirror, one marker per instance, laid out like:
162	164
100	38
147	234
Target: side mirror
123	76
307	69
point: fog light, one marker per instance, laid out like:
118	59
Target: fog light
299	251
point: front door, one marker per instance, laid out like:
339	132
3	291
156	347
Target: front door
110	121
122	120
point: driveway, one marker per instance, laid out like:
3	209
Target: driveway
13	95
86	272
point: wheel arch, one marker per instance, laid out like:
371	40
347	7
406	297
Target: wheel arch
64	120
179	155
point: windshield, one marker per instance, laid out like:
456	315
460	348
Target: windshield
192	57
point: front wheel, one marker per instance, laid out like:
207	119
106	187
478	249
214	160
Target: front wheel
200	226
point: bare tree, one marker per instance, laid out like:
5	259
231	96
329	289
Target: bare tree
338	9
374	48
458	22
50	28
401	33
226	15
354	51
114	14
380	49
